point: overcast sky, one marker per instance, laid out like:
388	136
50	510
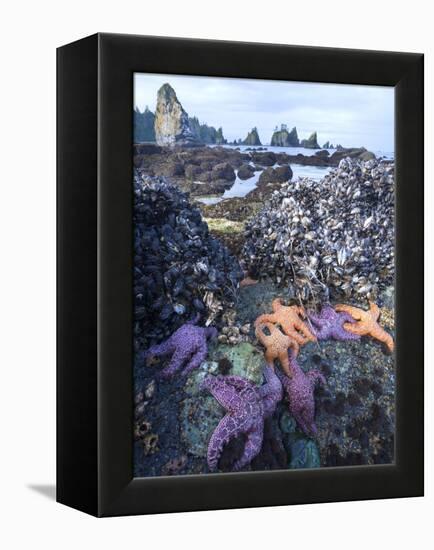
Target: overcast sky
347	114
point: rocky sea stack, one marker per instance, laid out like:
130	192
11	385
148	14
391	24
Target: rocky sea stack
311	142
172	126
283	138
252	138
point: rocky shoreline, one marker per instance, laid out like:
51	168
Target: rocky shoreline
175	418
226	288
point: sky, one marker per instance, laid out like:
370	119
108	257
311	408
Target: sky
351	115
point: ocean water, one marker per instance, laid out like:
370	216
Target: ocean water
296	150
240	188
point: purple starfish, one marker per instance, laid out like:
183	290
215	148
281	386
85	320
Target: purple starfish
329	324
247	407
187	346
299	389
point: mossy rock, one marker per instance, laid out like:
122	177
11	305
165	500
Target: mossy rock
198	418
192	385
246	360
222	225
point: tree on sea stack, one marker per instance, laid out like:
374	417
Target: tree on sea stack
172	125
252	138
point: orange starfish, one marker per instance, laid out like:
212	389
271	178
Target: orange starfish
367	323
277	345
289	318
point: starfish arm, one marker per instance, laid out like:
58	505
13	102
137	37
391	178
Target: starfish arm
301	311
251	449
374	310
269	375
356	328
340	333
384	337
225	393
224	432
304	329
260	334
178	359
284	380
355	312
285	363
276	304
271	391
165	348
197	359
305	420
322	333
315	318
296	336
271	397
270	356
265	318
237	382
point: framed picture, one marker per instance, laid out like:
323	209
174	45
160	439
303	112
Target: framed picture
240	275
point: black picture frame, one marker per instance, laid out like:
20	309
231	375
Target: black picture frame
94	274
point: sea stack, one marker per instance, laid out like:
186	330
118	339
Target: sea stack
172	125
252	138
283	138
311	142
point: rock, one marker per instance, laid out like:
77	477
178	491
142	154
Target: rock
359	153
264	159
173	168
311	142
198	418
276	175
367	155
140	149
172	125
283	138
322	154
245	172
192	171
223	171
310	160
200	412
303	453
246	360
252	138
